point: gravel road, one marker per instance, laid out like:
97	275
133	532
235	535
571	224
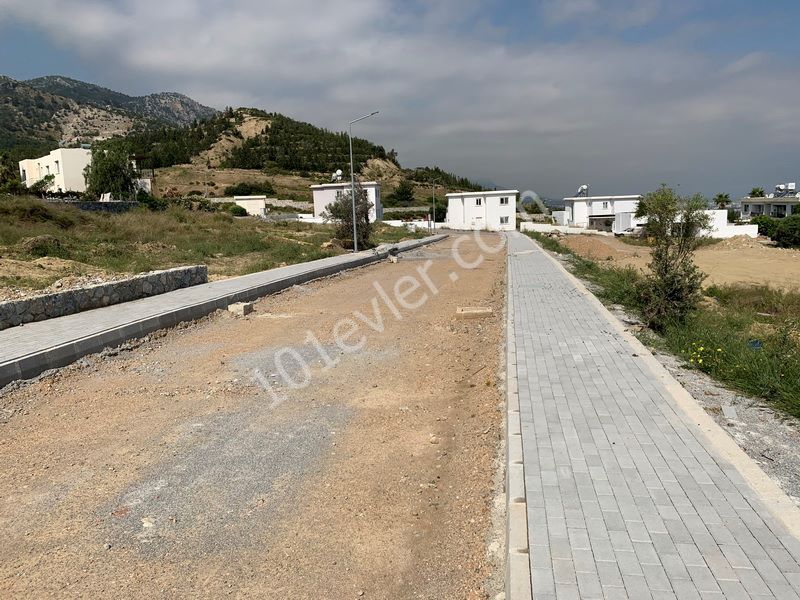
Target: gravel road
188	465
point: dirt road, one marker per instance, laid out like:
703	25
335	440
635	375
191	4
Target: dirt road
168	470
735	261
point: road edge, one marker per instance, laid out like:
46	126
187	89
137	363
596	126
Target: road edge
518	566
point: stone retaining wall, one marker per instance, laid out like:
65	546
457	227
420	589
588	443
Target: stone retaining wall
39	308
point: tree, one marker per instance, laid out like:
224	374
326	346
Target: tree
673	287
111	172
404	194
40	187
340	211
722	201
757	192
9	176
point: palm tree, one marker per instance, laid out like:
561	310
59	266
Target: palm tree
757	192
722	201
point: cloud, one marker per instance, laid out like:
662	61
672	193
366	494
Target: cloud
622	115
620	14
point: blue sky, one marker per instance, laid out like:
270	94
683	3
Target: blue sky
620	94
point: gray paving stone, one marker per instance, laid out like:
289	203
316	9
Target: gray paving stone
634	500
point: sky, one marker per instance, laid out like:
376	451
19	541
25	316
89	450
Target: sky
547	95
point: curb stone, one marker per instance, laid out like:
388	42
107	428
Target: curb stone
518	568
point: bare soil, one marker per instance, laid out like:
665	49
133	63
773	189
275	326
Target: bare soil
165	471
739	260
48	274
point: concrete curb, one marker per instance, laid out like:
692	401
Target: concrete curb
33	364
717	439
518	566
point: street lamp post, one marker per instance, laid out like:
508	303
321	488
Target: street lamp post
353	174
433	202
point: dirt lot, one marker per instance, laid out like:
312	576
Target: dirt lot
738	260
165	471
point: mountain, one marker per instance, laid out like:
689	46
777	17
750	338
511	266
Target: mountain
39	115
192	145
166	107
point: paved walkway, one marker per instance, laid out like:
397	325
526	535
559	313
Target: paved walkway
30	349
625	496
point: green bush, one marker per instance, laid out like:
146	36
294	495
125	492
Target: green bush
787	234
250	189
766	225
672	288
151	202
236	210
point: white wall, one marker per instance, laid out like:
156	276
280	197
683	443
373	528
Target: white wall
254	205
545	228
325	195
482	210
720	228
66	165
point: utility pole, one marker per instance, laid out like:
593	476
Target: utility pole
353	175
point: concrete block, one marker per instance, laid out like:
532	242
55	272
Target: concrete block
241	309
470	312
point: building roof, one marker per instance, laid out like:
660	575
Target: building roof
342	185
633	197
485	193
778	200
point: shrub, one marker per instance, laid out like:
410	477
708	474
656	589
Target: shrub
787	234
672	289
43	245
341	212
766	225
236	210
151	202
250	189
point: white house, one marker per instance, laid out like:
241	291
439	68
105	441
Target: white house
325	194
66	165
772	207
601	212
489	211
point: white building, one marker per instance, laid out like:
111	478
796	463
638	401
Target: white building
772	207
489	211
325	195
66	165
617	214
255	206
601	212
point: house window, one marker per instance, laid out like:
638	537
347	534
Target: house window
503	201
24	175
58	168
48	169
605	205
478	201
504	220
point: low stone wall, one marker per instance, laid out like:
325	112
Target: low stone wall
40	308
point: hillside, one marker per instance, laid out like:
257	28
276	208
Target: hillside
39	115
248	145
165	107
195	149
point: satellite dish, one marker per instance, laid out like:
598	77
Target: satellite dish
583	190
339	173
